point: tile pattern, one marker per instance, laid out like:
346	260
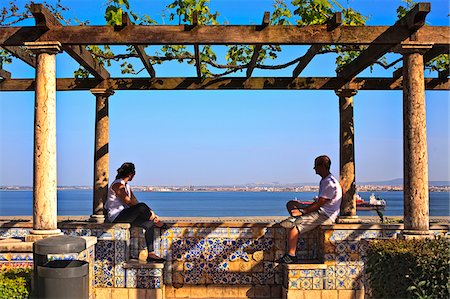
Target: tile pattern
218	255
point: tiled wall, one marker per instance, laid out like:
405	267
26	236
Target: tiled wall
207	256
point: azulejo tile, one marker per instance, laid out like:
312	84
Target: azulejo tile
305	273
353	271
329	257
155	272
119	270
119	282
104	281
330	283
305	283
144	282
342	259
259	278
341	247
131	281
340	283
120	235
317	283
341	271
294	284
331	271
104	251
339	235
131	273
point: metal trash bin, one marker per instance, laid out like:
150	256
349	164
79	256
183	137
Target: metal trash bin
60	278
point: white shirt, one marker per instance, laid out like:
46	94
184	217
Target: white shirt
331	190
114	205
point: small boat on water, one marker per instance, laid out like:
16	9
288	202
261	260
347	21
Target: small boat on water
373	204
362	205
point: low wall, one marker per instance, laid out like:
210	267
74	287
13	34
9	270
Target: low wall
211	257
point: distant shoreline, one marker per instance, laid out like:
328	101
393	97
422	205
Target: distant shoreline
364	188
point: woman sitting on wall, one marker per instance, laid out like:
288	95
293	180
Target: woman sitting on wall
122	206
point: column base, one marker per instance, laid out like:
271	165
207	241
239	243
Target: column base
39	234
415	234
97	218
348	219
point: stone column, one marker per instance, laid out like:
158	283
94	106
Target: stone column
44	164
415	159
101	155
347	156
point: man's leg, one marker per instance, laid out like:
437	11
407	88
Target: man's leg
292	241
292	207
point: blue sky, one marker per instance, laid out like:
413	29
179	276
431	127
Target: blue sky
223	137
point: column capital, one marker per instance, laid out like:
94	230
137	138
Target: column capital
44	47
346	92
410	48
102	92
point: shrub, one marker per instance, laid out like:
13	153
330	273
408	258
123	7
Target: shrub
409	268
15	283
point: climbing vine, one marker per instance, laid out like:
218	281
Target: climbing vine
237	57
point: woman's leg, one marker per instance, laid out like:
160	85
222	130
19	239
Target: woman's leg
139	213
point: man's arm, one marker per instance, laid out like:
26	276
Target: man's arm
311	208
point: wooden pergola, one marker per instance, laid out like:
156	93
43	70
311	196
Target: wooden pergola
38	45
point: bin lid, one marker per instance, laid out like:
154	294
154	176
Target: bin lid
59	245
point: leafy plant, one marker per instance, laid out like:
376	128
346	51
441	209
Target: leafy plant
15	283
409	268
237	57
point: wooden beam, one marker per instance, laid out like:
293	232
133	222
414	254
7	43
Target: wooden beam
415	18
335	21
226	83
429	55
251	65
373	53
139	48
4	74
221	35
198	63
45	19
444	73
306	59
145	60
21	54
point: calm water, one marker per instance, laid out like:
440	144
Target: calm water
215	204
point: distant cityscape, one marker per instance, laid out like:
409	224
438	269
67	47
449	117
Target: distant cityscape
242	188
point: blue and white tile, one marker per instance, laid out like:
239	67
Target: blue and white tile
342	271
330	283
306	283
131	281
342	259
331	271
341	283
317	283
119	282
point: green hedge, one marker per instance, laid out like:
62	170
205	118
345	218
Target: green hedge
15	283
409	268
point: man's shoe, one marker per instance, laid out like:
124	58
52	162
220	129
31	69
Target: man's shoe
289	222
288	259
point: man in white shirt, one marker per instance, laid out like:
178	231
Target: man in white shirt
324	209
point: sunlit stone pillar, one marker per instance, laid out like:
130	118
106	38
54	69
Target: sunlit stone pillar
101	155
44	164
415	159
347	156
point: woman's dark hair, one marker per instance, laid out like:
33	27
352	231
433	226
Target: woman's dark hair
125	170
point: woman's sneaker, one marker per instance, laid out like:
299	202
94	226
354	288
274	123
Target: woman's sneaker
288	259
289	222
